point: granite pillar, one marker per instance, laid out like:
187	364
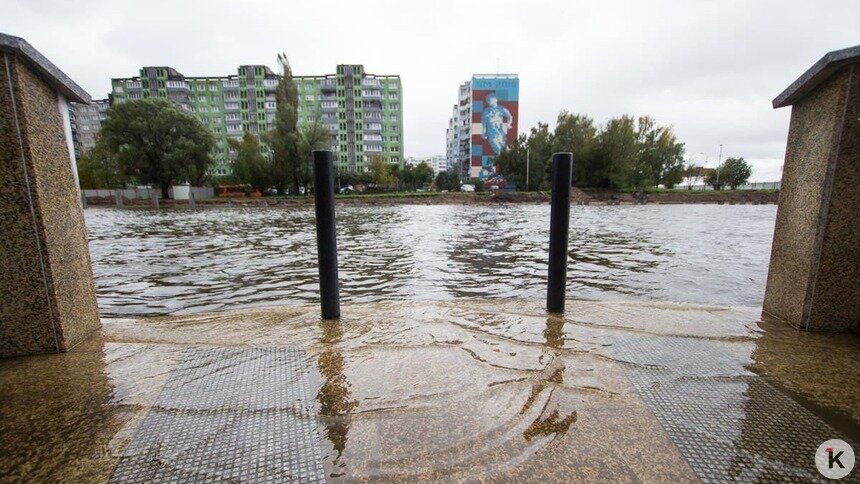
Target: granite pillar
814	275
47	296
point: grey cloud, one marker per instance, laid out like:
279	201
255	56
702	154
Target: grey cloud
709	69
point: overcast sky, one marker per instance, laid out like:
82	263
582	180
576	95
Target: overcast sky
709	69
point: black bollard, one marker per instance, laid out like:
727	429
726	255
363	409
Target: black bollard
559	222
326	235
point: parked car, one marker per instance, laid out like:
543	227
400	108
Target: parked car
467	187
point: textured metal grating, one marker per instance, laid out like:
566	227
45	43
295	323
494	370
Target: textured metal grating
729	424
229	414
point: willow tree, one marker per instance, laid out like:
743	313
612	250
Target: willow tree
284	137
250	166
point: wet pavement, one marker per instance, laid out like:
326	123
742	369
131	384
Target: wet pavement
452	390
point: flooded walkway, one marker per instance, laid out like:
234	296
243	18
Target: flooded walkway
460	389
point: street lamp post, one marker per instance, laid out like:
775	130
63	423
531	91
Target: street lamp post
527	169
719	163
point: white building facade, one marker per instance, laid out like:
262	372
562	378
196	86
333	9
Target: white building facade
439	163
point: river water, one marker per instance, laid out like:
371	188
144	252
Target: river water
180	261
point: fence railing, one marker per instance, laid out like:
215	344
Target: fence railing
776	185
177	193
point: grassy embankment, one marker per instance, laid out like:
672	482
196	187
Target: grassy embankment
582	197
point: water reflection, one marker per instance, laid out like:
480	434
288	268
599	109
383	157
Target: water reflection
149	262
549	422
60	414
335	397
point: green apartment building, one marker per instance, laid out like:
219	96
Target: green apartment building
363	112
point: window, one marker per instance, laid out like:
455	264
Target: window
271	105
309	97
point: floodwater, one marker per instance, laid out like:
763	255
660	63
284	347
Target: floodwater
180	261
444	365
466	389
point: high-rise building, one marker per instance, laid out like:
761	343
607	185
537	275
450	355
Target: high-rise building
438	163
482	124
86	120
363	112
227	105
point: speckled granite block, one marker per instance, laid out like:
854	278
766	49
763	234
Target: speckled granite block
836	294
46	289
813	280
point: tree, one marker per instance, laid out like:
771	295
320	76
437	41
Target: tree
250	167
716	178
422	174
313	136
347	178
380	171
87	174
692	173
617	158
511	162
155	142
574	133
284	137
734	172
661	157
448	181
97	169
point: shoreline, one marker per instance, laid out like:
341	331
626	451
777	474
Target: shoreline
578	197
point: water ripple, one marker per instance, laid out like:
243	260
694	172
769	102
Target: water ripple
162	262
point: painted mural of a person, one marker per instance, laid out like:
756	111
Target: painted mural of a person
496	121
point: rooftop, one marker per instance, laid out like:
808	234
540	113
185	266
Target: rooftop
815	75
45	68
